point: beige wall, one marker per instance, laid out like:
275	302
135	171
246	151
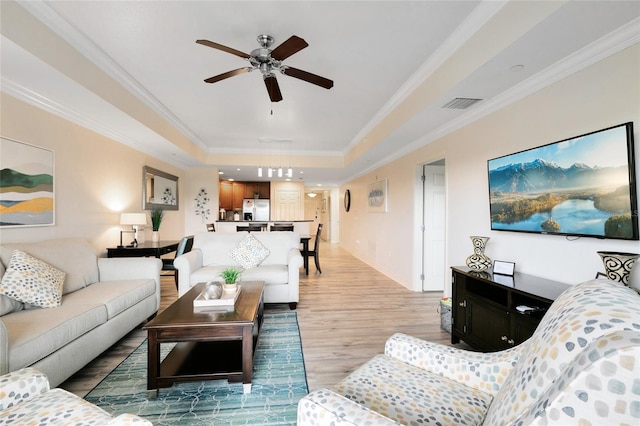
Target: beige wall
605	94
197	179
96	178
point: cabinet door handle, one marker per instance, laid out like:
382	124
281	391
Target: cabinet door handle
511	341
504	338
463	304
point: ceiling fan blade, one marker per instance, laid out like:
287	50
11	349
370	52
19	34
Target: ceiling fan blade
227	75
290	46
223	48
308	77
273	88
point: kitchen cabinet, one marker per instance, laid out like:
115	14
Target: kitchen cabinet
232	193
226	195
485	310
261	188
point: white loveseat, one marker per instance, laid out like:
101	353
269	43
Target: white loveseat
210	255
580	367
102	300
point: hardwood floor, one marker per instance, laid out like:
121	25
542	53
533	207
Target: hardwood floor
345	315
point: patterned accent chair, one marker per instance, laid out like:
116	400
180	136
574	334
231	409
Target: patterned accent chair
26	399
580	367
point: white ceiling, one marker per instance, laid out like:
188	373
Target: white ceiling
132	71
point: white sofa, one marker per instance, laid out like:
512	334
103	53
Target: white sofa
580	367
280	270
103	299
28	399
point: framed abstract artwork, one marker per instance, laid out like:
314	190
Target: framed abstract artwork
377	196
27	190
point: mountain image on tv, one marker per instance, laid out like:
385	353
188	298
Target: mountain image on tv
580	186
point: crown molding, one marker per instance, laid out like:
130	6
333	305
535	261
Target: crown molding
95	54
465	31
608	45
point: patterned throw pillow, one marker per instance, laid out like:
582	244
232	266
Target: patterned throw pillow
249	253
30	280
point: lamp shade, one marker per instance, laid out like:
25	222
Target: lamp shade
133	219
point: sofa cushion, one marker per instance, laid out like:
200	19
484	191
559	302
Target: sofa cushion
40	332
270	274
215	246
75	256
30	280
249	252
410	395
279	244
8	305
118	296
207	273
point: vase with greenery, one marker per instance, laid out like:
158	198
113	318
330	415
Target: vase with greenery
156	219
230	277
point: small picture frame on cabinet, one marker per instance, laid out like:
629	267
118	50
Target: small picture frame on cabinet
503	268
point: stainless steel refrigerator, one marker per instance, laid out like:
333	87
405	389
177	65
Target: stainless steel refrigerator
255	209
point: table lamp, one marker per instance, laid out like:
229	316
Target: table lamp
135	220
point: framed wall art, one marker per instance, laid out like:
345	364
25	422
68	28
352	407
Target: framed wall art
377	196
27	191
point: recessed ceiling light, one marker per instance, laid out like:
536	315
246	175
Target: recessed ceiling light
517	68
231	180
220	172
319	184
238	169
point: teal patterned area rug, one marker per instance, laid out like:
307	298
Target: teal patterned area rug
279	382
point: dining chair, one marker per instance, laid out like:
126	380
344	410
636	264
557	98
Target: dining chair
316	249
249	228
211	227
184	246
281	228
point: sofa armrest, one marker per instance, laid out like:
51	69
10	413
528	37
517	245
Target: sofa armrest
4	348
482	371
186	265
129	419
294	259
21	385
294	263
324	407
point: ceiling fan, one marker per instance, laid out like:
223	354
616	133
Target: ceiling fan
267	61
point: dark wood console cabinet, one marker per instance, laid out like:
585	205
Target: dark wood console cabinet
485	307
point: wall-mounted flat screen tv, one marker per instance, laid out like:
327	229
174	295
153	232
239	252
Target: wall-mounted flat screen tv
582	186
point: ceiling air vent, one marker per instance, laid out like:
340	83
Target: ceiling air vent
461	103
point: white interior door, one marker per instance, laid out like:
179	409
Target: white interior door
287	205
434	228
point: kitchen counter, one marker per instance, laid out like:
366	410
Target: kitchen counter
263	221
299	226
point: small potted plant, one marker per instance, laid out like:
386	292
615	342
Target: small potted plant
156	219
230	277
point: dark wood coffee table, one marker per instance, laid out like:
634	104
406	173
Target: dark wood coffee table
211	343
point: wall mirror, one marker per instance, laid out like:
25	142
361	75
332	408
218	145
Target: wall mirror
159	189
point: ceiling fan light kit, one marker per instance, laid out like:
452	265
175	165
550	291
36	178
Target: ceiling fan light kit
267	61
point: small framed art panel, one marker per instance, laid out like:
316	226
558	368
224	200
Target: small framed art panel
27	190
377	196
